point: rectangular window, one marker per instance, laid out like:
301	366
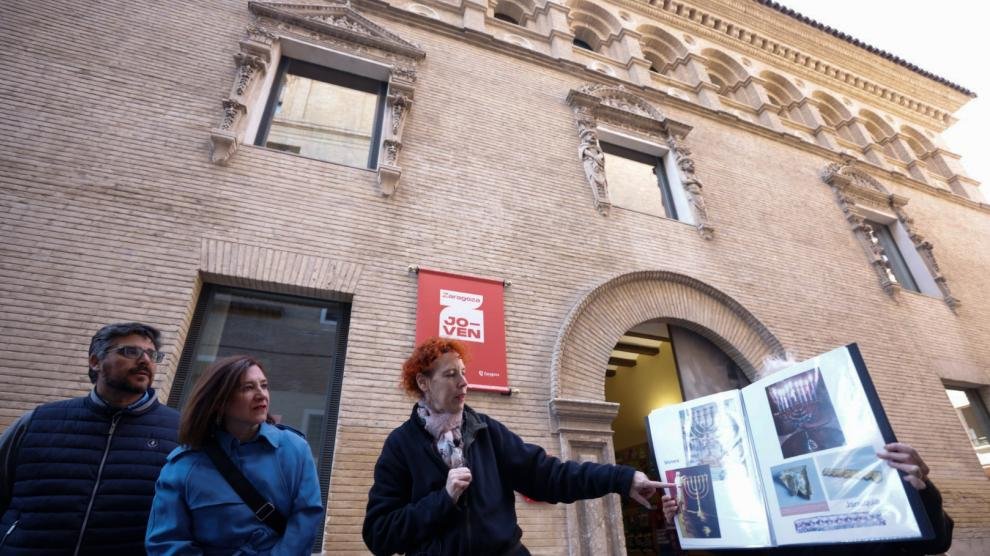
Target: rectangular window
975	419
894	256
300	343
325	114
638	181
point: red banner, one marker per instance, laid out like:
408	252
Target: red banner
471	310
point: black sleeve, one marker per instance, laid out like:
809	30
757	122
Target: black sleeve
392	522
540	476
942	524
9	444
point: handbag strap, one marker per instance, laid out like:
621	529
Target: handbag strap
263	509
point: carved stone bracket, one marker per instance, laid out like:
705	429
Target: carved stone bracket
253	62
397	106
331	25
854	188
617	106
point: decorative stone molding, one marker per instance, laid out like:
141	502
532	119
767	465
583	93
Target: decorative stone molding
617	106
585	431
334	25
609	310
715	26
855	188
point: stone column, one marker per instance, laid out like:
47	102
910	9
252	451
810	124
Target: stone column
474	15
553	21
631	53
594	527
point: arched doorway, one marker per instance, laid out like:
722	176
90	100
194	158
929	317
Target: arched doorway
580	414
654	364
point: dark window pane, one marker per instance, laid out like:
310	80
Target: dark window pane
507	18
894	256
581	44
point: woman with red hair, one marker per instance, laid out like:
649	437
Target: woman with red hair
445	479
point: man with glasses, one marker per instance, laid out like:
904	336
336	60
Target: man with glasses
78	476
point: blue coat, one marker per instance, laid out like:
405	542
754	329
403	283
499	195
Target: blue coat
196	511
410	512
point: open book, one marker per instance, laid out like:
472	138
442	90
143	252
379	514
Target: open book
790	459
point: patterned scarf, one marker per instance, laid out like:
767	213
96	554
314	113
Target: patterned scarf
445	428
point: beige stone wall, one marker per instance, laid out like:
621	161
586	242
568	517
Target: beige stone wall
111	206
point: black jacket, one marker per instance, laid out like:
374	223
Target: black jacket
410	512
79	476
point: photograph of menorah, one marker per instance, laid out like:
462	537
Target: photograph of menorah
804	415
712	437
699	515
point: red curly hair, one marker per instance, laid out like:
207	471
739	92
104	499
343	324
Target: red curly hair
423	356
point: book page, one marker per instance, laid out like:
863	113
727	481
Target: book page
703	446
816	438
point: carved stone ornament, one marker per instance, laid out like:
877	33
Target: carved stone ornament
337	19
332	25
853	188
617	106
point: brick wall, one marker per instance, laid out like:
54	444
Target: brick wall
108	196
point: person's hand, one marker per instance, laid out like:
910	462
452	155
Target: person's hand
670	507
905	458
458	479
643	488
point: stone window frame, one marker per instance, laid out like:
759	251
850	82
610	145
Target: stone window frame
333	35
611	110
862	198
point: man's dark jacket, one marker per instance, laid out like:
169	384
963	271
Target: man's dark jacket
409	510
79	476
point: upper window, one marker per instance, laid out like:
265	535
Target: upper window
506	17
975	419
638	181
324	114
898	264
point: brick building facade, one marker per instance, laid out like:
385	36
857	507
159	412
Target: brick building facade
132	189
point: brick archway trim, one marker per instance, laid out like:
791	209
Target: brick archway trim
595	324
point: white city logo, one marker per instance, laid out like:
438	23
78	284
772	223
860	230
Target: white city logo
461	319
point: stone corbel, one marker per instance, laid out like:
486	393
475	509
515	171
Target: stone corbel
252	64
593	160
692	185
397	106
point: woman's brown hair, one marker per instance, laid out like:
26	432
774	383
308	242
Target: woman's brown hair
209	397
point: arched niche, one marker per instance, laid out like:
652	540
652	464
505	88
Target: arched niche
596	322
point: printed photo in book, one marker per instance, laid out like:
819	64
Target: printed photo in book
790	459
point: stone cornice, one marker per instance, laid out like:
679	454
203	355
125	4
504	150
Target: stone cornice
758	44
581	71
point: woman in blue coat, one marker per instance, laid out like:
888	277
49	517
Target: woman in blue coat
196	511
444	482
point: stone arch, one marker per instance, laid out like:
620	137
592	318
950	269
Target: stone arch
827	102
589	18
519	11
661	48
878	128
595	324
781	87
730	76
919	144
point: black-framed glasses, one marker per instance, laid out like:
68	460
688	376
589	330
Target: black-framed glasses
134	352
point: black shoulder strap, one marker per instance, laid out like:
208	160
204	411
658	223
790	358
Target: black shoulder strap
264	510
